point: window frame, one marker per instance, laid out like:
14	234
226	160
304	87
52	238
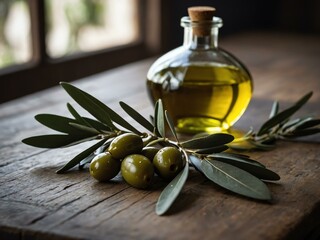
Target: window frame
43	72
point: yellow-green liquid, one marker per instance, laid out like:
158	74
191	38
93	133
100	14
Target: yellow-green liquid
202	98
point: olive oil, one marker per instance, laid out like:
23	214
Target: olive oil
204	87
202	97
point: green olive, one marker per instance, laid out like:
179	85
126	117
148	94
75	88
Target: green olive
137	170
125	144
104	167
168	162
149	152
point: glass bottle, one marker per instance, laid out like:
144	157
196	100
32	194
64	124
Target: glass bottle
203	87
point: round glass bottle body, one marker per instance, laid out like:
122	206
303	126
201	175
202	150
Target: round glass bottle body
204	88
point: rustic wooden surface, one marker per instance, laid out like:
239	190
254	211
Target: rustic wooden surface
36	203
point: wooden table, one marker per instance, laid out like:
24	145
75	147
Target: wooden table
37	203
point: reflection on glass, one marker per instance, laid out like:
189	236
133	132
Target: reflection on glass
89	25
15	37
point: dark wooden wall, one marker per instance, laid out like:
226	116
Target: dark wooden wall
301	16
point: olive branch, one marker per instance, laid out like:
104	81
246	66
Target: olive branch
235	172
280	125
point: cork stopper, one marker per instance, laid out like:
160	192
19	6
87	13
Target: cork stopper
199	14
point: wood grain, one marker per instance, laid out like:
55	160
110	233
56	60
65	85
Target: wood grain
36	203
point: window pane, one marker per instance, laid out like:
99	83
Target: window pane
88	25
15	33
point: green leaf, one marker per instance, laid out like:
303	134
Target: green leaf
102	107
274	109
200	135
261	146
171	191
290	123
77	159
86	160
96	124
308	123
303	132
82	140
304	99
284	115
210	141
76	115
212	150
51	141
171	125
105	146
92	105
99	150
196	162
160	119
85	128
235	179
242	145
248	165
58	123
238	157
155	120
98	109
295	125
83	121
137	116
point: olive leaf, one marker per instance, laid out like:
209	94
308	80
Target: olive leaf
86	160
90	123
261	145
243	145
248	165
294	126
77	159
290	123
85	128
82	140
160	124
171	191
95	107
51	140
97	125
196	162
99	150
235	179
308	124
282	116
278	126
303	132
113	115
210	141
58	123
76	115
237	157
154	119
88	104
171	125
274	109
212	149
137	116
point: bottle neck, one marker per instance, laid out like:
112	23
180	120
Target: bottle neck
201	35
193	41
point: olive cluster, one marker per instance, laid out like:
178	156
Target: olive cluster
137	164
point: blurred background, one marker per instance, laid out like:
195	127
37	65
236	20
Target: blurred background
71	26
43	42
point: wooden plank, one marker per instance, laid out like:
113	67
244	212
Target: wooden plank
67	202
36	203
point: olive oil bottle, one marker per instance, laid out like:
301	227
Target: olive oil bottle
204	88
